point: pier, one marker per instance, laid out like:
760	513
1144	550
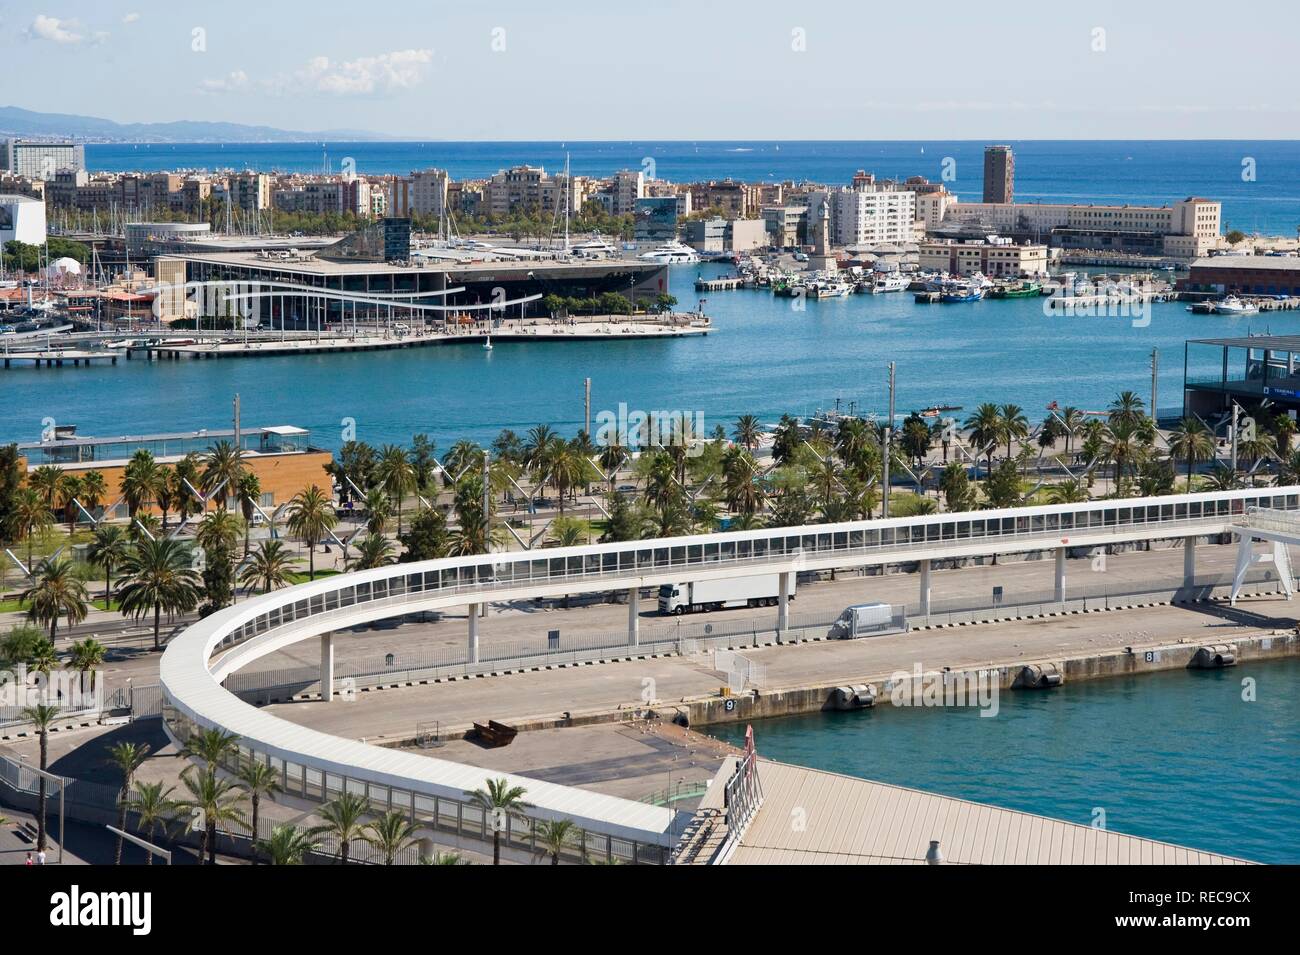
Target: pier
56	358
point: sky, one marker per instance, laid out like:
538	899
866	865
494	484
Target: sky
667	69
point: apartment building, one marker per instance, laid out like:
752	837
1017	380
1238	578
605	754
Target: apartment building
867	213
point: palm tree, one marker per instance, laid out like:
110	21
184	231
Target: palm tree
343	816
93	489
1068	492
1288	472
268	566
69	491
555	836
55	592
213	746
29	515
212	801
158	578
223	468
311	515
42	716
499	801
85	656
747	431
1222	478
986	430
390	834
378	510
373	550
257	780
127	757
140	481
219	531
1126	409
1072	419
1124	448
1015	426
444	858
153	808
48	481
288	845
742	488
397	476
109	549
567	532
1192	441
249	493
612	457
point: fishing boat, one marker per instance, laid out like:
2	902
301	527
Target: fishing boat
829	289
953	292
1235	306
1018	290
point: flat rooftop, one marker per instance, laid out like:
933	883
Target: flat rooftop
310	265
1284	263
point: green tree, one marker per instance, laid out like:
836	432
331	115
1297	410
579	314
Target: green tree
311	516
343	817
1192	441
267	567
84	656
223	469
373	550
211	801
287	845
127	758
159	579
426	538
55	592
555	836
390	834
500	801
258	781
154	808
109	550
42	717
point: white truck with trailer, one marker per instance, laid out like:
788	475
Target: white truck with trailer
867	620
761	591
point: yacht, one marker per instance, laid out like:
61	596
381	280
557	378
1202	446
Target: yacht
674	253
1235	306
961	292
890	282
594	249
829	289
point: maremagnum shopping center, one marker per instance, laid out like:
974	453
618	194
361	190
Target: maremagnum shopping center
368	264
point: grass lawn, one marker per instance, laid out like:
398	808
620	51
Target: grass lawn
301	577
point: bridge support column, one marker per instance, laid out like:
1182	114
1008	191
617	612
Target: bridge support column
1245	555
783	605
925	587
473	633
1189	563
633	616
1058	592
1282	563
327	667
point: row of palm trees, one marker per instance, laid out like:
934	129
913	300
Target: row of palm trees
211	801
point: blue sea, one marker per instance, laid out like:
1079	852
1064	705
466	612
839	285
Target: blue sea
1258	182
1178	757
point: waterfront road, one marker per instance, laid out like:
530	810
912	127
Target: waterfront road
605	688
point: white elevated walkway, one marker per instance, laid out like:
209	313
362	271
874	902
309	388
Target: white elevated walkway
1278	528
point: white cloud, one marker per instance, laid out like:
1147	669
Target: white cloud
131	18
399	70
55	30
234	82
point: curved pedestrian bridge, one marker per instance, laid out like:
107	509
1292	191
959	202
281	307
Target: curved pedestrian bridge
318	766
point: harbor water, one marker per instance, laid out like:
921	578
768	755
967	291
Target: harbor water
765	357
1180	756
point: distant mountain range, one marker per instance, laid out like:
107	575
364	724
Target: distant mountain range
15	121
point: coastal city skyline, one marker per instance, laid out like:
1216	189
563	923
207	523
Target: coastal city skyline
298	73
664	435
